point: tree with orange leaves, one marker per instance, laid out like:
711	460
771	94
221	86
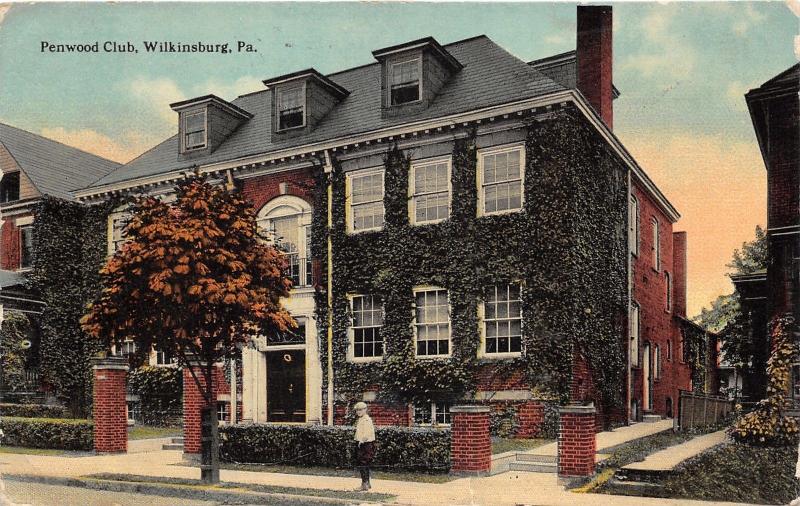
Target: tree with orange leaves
194	279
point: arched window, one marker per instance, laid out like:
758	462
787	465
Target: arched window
286	222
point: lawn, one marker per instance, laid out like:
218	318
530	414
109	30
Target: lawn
376	474
737	472
147	432
30	451
502	445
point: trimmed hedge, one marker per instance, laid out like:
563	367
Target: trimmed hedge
53	433
160	391
33	411
397	448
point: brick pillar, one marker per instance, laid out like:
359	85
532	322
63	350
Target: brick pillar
110	410
530	416
470	443
576	441
193	402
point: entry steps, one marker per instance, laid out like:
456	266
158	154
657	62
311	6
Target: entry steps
175	443
523	461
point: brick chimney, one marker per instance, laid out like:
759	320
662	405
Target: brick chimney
679	273
594	59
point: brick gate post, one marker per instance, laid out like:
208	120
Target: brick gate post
470	443
110	411
577	442
193	403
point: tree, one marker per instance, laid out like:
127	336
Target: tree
193	279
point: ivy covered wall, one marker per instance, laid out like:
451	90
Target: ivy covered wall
69	247
567	247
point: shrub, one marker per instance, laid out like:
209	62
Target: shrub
54	433
738	472
767	425
504	423
160	391
33	411
398	448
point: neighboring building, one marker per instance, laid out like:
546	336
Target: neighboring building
775	110
467	120
31	167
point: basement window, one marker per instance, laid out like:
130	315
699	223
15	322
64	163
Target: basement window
291	108
404	82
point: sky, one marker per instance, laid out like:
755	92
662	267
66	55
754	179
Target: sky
682	70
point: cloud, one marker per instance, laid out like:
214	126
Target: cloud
156	95
229	91
794	6
4	8
123	150
735	94
718	216
797	46
665	55
748	20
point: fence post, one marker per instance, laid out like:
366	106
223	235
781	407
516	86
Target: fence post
577	441
110	406
705	410
470	442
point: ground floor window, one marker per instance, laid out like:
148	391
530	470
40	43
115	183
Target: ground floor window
433	413
224	411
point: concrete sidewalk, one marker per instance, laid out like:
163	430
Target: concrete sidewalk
668	458
510	488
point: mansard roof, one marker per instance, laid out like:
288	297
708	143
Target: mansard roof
490	76
55	169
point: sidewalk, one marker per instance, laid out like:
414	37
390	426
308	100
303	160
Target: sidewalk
668	458
510	488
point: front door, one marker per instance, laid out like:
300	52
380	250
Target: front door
647	402
286	386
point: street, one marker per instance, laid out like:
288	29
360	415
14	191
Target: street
37	494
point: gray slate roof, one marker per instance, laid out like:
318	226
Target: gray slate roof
491	76
54	168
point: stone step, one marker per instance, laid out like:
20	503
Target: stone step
177	440
172	446
651	418
633	488
533	467
530	457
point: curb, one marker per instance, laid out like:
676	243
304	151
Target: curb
198	492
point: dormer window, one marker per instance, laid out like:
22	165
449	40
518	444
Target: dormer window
405	81
291	107
194	130
9	187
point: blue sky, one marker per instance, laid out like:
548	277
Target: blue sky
682	69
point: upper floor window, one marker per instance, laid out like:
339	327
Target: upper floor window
9	187
656	362
26	247
633	225
365	330
634	334
404	81
286	220
656	248
500	180
502	321
117	232
291	108
194	130
432	322
669	350
365	194
668	288
430	191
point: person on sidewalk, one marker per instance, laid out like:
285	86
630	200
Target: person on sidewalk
365	439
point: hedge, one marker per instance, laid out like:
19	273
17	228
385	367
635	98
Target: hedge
160	391
398	448
33	410
54	433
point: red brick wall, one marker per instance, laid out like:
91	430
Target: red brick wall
109	410
530	416
9	249
262	189
489	380
577	444
783	176
470	443
381	414
657	325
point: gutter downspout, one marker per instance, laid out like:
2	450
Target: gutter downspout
328	168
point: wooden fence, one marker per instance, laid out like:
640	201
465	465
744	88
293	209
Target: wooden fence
700	410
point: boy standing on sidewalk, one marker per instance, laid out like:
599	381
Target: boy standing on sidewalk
365	439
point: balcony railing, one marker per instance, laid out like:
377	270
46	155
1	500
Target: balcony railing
299	270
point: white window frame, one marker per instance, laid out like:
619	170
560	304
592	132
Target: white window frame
285	206
113	245
278	94
633	226
434	411
184	120
507	148
349	197
656	248
29	228
635	328
429	288
482	353
389	83
413	196
351	331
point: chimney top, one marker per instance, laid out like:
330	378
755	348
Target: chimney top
594	55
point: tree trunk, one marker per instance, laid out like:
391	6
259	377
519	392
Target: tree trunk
209	445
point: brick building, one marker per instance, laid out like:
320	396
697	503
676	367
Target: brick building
775	110
32	167
461	120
